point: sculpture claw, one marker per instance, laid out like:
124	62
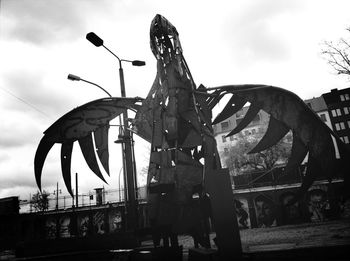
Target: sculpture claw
288	112
79	124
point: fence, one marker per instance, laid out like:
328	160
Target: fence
92	198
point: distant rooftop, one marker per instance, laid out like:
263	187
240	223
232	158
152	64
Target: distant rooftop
317	104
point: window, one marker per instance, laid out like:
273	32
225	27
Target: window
349	124
253	131
344	97
323	117
346	110
342	125
224	125
308	104
223	138
231	138
336	112
337	126
346	139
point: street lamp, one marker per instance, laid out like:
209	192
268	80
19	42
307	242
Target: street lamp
127	145
73	77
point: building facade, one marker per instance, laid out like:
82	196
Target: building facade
338	103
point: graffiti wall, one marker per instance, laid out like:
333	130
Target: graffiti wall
50	228
242	212
265	211
64	226
318	204
98	221
115	221
291	214
83	225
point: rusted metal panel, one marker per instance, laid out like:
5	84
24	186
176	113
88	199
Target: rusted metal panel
192	117
66	156
188	176
87	118
193	139
276	130
162	158
218	185
248	117
185	159
298	153
45	145
157	136
101	143
233	105
88	150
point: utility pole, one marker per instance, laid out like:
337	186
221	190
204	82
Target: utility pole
57	191
128	166
76	189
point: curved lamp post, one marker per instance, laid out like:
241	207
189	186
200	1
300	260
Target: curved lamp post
73	77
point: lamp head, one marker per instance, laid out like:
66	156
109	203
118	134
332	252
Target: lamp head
138	63
73	77
94	39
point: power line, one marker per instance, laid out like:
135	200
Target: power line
25	102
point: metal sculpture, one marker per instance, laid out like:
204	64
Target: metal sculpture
176	119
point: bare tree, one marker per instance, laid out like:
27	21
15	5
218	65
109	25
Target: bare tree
337	55
40	201
238	161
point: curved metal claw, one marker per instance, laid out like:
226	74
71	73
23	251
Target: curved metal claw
79	124
289	112
66	156
276	130
44	147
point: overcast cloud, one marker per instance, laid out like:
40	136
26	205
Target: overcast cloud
42	22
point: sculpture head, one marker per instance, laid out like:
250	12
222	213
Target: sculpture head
164	39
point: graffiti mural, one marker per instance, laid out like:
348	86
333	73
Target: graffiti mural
64	226
115	221
50	228
318	205
242	211
291	213
83	225
265	212
98	222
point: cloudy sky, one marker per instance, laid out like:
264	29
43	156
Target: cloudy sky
225	42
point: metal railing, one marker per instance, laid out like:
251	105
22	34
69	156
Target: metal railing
91	198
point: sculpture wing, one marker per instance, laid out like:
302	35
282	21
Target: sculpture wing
287	112
81	124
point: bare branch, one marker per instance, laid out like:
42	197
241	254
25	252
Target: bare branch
337	55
